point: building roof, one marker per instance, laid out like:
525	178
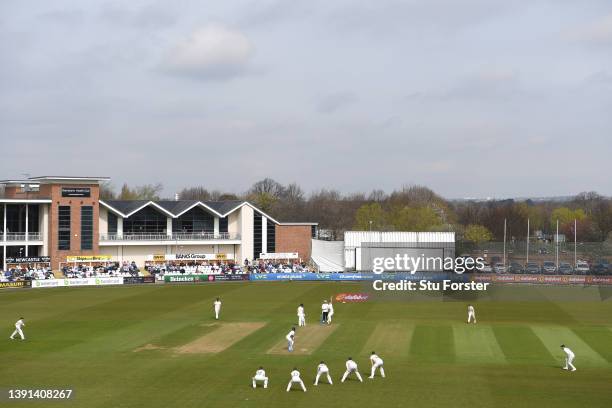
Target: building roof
50	179
124	207
176	208
224	207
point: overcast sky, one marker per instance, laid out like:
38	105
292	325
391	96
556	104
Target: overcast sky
473	98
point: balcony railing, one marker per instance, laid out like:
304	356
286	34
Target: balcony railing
177	236
21	236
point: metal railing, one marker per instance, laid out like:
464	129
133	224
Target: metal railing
176	236
21	236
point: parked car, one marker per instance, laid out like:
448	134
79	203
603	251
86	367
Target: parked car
486	268
565	268
549	267
499	268
532	268
515	267
601	267
582	268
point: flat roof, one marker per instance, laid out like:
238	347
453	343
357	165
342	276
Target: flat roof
45	179
25	200
99	178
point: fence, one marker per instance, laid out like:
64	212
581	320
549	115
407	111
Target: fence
540	250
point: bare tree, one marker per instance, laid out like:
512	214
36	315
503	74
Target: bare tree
195	193
107	191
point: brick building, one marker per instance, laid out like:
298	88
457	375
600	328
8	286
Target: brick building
63	218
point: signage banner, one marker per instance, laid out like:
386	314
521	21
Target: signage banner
545	279
89	258
366	276
203	278
599	280
138	279
222	278
76	192
278	255
189	257
16	284
26	260
352	297
54	283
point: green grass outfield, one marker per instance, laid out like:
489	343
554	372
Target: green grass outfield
86	339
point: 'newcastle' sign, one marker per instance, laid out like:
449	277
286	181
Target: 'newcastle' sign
31	259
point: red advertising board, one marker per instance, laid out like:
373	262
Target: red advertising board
544	279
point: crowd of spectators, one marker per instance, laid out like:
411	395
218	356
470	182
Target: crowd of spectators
125	269
194	268
218	268
273	266
26	272
130	269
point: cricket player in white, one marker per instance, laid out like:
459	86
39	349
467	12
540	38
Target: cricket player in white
330	313
217	305
324	311
351	367
260	375
290	339
471	314
322	369
295	378
18	325
569	358
377	362
301	315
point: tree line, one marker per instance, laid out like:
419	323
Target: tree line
411	208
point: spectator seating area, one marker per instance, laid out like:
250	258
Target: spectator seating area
193	268
278	267
130	269
126	269
25	273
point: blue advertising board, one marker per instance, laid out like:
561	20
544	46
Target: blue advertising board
352	276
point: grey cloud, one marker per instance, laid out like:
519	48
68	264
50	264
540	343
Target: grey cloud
151	16
335	101
487	102
213	52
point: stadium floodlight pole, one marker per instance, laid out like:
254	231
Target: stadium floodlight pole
557	245
527	261
504	242
575	242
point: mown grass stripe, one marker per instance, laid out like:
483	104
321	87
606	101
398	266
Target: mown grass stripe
520	345
307	340
432	343
390	338
598	338
477	344
553	336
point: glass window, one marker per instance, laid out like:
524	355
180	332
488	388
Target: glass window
145	221
112	223
15	218
87	227
271	236
63	228
223	224
33	212
194	221
257	241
